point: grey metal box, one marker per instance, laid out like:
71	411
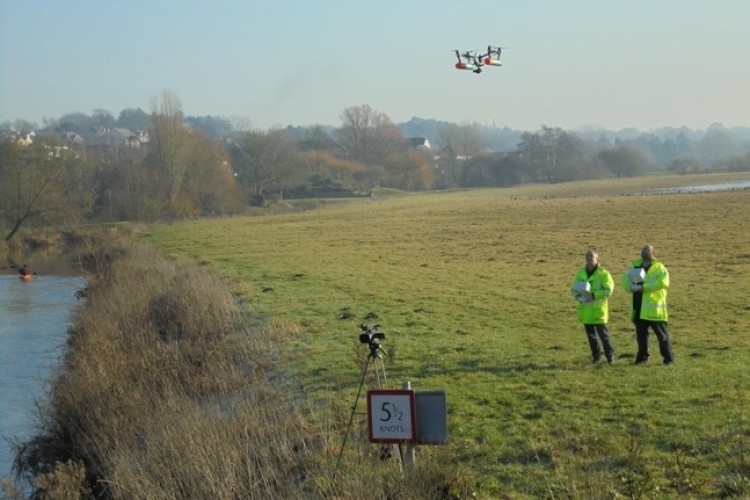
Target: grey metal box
432	417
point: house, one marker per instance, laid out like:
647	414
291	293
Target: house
115	137
419	143
73	138
23	138
123	137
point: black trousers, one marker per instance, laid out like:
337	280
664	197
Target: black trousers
596	333
662	335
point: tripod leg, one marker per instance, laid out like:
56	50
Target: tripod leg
351	417
380	373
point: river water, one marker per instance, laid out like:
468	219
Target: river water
34	318
705	188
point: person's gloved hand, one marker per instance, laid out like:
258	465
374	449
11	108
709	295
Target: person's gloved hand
636	287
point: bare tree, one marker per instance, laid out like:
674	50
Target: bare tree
368	136
458	143
264	160
552	155
127	191
687	165
623	160
324	164
103	118
133	119
38	183
461	141
168	138
209	187
411	171
317	139
354	132
386	138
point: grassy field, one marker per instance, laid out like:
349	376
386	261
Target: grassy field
471	289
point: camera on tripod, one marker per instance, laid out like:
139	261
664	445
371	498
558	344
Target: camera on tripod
371	335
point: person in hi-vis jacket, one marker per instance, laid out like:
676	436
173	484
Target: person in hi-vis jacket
648	280
592	287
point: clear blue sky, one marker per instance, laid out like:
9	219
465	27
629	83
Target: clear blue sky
569	64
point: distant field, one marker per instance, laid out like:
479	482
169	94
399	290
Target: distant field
471	288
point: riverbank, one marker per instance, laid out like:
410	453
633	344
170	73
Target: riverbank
52	251
150	363
166	392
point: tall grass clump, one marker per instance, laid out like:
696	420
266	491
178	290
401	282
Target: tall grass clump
164	394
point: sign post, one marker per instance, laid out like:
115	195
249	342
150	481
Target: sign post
410	455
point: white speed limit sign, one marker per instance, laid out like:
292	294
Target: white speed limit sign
391	416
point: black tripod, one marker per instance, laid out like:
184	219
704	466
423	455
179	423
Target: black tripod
372	336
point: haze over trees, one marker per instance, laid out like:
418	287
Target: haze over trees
165	165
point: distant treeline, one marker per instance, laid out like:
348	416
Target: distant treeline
164	165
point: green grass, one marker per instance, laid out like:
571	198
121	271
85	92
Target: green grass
471	288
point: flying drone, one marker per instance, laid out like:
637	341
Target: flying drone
473	60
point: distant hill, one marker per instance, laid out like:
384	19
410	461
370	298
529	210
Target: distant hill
503	139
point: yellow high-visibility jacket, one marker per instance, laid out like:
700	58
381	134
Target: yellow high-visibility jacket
595	311
654	304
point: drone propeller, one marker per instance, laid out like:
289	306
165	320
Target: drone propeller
473	60
467	60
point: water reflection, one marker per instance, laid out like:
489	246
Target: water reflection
34	318
705	188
